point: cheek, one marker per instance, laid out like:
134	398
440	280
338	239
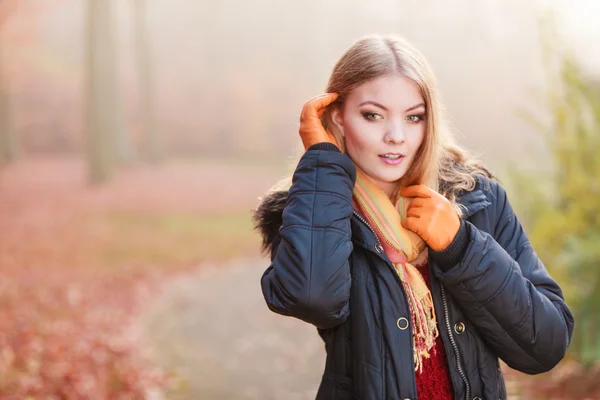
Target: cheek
357	142
360	134
418	136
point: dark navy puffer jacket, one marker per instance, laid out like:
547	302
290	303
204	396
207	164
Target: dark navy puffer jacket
493	296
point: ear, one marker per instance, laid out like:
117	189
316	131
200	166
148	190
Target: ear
336	118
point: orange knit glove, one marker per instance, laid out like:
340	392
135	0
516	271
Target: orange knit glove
431	216
311	130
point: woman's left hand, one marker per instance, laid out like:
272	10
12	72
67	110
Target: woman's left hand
431	216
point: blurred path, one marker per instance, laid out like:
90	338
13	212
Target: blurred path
214	329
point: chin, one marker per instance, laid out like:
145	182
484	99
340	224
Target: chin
391	175
388	177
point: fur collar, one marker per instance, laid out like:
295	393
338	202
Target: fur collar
267	217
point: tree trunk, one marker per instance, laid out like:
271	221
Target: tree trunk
151	142
101	115
8	138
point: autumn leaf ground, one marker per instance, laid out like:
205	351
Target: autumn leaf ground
78	263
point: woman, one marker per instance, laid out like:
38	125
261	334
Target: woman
402	250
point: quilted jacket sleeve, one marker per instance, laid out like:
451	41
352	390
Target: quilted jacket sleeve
507	293
309	277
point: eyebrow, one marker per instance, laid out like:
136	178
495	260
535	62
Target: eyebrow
385	108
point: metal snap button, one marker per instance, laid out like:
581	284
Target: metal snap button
459	327
379	248
476	398
402	323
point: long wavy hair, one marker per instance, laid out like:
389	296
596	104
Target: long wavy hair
440	163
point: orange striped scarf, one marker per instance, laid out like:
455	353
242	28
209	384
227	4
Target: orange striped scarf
402	247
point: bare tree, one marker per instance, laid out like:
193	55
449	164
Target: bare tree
152	148
102	117
8	136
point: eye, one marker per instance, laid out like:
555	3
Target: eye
371	116
415	118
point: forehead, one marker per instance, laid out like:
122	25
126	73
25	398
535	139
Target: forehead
389	90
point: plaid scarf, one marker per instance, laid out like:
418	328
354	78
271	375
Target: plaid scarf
402	247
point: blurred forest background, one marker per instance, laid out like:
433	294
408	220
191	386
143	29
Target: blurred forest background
137	135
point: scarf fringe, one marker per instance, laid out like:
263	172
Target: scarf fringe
423	319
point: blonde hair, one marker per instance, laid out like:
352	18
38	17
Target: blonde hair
440	163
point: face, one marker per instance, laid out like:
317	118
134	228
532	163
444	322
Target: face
384	123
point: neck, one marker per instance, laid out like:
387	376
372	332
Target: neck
389	188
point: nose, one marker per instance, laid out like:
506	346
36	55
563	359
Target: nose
394	134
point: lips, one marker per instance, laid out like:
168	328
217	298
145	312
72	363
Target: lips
392	158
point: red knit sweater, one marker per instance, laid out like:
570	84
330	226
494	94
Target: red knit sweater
434	382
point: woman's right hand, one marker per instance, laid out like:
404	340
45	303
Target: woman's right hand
311	130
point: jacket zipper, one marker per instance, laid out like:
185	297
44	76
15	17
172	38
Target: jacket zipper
454	346
446	320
